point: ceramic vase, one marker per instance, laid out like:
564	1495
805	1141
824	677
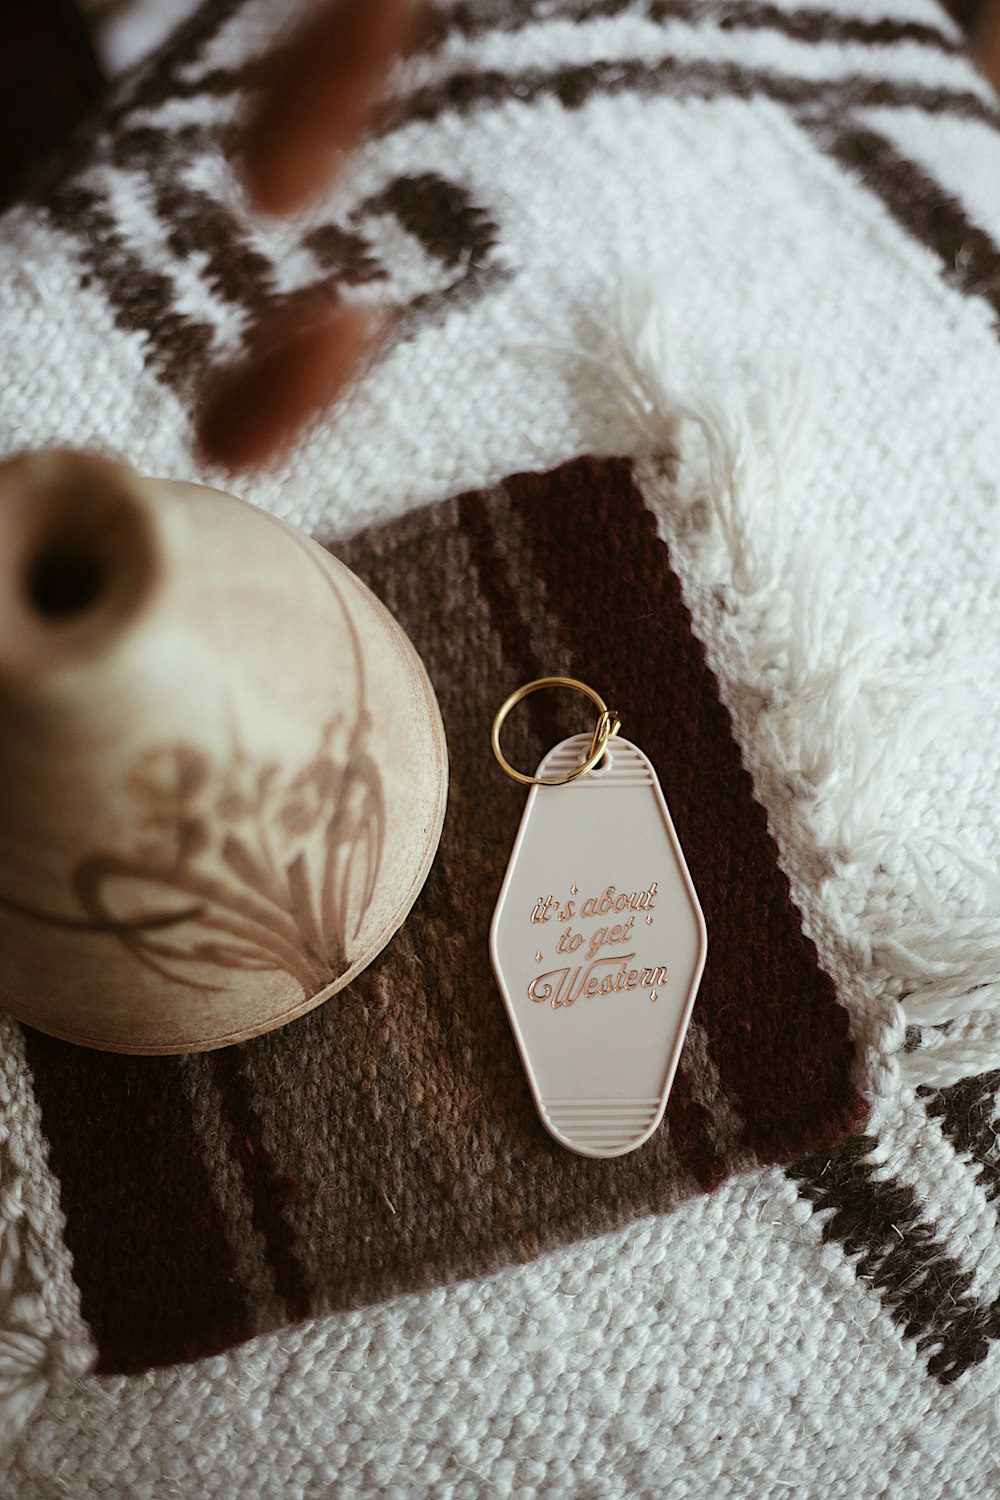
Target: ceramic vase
223	771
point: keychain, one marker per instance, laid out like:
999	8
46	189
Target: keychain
598	941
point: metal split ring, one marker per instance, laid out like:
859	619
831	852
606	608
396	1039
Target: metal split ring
608	725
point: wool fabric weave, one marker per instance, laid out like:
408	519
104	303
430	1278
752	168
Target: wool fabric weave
806	396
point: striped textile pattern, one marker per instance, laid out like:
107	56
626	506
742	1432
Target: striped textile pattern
809	187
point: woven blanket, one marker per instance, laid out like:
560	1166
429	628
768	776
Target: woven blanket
696	314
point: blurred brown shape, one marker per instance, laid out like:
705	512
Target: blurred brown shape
980	19
318	92
254	410
986	41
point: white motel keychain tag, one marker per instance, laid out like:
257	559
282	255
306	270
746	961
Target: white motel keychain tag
598	941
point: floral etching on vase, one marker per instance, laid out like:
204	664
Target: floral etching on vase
240	867
239	863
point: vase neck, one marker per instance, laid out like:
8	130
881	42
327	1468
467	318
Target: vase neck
78	559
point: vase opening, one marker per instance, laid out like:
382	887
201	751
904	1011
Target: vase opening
64	580
78	555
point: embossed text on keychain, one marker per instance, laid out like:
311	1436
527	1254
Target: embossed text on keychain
598	941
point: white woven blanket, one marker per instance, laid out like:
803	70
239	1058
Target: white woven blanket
770	232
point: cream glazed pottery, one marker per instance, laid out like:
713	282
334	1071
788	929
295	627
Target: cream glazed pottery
223	770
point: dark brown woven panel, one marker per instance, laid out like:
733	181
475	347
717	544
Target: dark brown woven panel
387	1141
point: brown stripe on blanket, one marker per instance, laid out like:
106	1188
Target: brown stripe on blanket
268	1189
574	84
168	73
969	256
815	27
901	1255
150	1252
387	1140
810	26
142	299
723	1123
969	1113
228	1184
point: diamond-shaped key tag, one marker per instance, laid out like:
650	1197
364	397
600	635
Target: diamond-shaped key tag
598	945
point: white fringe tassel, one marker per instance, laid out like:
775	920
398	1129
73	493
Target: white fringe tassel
838	718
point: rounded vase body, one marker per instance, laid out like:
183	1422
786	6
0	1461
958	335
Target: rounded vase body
223	771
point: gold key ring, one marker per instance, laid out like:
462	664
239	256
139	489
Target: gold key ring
608	725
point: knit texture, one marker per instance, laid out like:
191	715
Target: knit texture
811	196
